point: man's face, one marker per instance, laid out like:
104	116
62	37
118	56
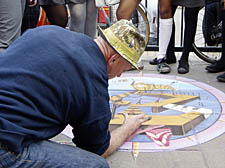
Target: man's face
117	66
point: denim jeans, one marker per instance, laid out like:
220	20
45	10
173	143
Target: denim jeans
48	154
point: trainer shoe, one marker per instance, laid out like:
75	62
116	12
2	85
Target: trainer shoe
163	68
170	60
183	67
216	67
221	78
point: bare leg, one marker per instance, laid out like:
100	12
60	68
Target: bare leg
126	9
165	27
57	14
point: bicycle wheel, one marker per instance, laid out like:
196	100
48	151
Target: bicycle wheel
205	52
142	24
139	19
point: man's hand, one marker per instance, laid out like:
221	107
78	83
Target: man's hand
32	3
119	135
134	122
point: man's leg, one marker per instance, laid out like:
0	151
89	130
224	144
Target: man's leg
91	16
126	9
56	14
11	14
165	31
47	154
170	57
77	16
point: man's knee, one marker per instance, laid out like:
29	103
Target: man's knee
98	161
103	163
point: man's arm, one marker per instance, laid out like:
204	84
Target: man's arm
126	9
119	135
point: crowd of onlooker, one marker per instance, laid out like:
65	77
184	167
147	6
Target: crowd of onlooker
17	16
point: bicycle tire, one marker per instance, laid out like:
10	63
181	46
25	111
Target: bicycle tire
209	54
203	56
147	27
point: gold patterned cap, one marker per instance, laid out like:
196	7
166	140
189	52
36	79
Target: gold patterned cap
125	39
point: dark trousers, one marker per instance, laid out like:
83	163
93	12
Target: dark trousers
30	18
211	19
191	18
223	37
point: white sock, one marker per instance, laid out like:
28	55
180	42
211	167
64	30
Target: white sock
165	31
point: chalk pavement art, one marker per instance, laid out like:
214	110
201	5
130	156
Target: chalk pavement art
184	112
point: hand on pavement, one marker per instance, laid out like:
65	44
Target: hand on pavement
134	122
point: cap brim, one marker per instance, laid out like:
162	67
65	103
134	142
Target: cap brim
102	34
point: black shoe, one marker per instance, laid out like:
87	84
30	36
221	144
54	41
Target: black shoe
221	78
170	60
183	67
216	67
153	61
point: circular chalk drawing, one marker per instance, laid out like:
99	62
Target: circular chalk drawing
184	112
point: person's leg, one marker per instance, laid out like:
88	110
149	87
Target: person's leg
126	9
91	16
170	57
30	17
56	14
77	16
210	21
221	62
11	14
219	66
165	26
170	52
165	30
47	154
191	19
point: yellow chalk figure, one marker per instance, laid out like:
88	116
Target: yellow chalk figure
143	86
180	124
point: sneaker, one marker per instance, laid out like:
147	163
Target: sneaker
170	60
163	67
183	67
221	78
216	67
